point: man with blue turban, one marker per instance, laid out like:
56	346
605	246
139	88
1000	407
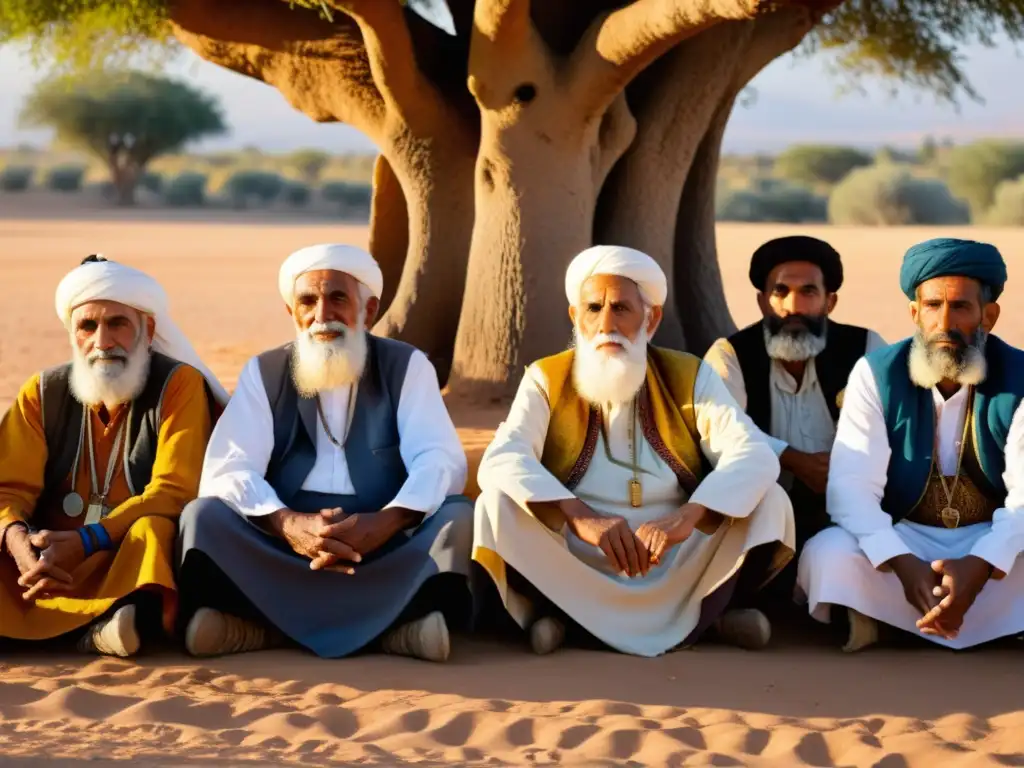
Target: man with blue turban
927	471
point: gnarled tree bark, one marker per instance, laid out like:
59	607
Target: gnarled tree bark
389	228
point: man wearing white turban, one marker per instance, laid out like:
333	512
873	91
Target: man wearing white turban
98	458
328	510
627	495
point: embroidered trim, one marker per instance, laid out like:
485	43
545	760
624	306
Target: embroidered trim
587	454
687	480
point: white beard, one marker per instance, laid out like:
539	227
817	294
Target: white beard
794	349
318	366
609	376
94	383
930	366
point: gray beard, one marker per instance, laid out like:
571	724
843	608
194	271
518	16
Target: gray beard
929	366
109	384
319	366
794	348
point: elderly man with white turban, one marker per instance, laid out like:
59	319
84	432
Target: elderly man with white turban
98	457
329	512
627	494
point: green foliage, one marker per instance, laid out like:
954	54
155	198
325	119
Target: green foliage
148	115
814	164
888	195
152	182
65	178
1008	207
186	190
297	194
975	170
348	195
244	186
16	178
310	163
771	200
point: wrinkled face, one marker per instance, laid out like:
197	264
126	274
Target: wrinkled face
794	299
105	333
328	296
611	306
950	311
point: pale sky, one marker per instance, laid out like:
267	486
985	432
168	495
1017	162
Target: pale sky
797	100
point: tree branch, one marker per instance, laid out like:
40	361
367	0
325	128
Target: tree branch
505	23
320	67
774	35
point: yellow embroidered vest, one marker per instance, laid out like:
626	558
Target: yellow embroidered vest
667	418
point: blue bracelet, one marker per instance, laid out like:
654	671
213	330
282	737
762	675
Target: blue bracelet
86	541
102	537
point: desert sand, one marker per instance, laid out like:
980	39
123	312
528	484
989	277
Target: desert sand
800	702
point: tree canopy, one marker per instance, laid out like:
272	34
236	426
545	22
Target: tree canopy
124	118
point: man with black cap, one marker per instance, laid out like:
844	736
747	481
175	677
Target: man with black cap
790	369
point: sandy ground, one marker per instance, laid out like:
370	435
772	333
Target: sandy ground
801	702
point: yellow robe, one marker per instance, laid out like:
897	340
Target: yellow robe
142	527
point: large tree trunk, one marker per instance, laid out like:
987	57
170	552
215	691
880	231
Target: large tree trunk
437	181
674	102
124	175
389	228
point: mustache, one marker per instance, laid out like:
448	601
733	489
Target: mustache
117	354
791	324
334	326
949	337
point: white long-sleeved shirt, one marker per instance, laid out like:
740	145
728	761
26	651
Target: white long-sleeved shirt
744	465
243	439
859	470
801	418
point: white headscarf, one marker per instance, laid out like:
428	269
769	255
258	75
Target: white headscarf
623	262
110	281
335	256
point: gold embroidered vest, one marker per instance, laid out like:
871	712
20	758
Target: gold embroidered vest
667	418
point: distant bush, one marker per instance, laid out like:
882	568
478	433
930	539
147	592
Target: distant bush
1008	207
813	164
152	182
297	194
348	194
975	170
242	187
771	200
16	178
65	178
186	190
888	195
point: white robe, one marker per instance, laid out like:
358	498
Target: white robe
845	565
644	616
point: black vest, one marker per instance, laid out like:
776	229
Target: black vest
845	345
62	422
372	448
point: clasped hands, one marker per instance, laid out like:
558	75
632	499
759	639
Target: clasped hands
943	591
46	560
333	540
629	552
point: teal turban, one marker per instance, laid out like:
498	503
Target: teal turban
946	256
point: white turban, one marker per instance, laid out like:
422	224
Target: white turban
623	262
110	281
340	258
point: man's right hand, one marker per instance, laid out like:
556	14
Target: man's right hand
311	535
19	548
809	468
611	535
918	580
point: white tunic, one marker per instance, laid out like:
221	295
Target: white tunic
800	416
243	439
650	615
841	566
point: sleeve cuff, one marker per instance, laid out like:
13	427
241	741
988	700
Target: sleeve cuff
779	446
266	507
994	552
882	546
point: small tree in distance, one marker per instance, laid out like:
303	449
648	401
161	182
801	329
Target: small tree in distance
123	118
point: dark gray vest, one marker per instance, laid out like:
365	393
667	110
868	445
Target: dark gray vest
372	447
62	420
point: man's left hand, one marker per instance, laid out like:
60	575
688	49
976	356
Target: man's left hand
60	553
659	536
962	581
371	532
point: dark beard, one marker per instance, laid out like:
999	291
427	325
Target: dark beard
959	352
796	325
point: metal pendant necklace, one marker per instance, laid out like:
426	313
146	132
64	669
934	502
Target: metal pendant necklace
950	515
323	421
634	489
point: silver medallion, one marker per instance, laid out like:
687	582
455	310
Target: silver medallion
73	505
